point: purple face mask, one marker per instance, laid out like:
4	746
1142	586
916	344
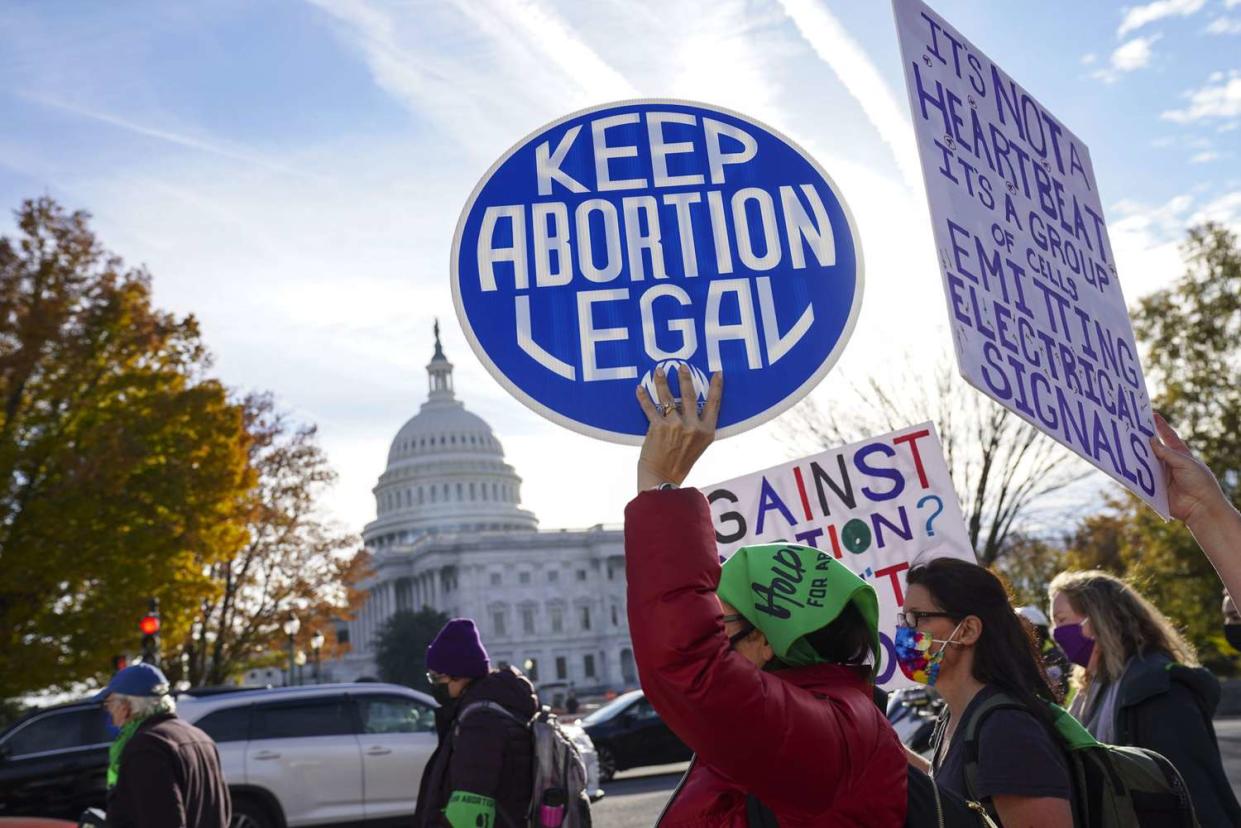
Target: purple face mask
1074	643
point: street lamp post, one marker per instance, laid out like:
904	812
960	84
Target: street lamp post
291	627
300	660
316	644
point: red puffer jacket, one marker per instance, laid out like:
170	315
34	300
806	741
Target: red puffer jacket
807	742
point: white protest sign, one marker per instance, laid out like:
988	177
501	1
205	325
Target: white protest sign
1038	318
877	506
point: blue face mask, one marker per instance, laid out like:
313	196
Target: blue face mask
112	730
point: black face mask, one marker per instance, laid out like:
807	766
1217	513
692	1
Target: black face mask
1232	632
440	693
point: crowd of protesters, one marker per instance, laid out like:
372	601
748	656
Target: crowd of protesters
776	706
775	692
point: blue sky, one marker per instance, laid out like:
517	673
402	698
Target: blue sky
292	172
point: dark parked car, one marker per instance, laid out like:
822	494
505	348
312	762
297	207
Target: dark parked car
628	733
54	762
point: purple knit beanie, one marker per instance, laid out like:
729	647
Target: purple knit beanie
458	652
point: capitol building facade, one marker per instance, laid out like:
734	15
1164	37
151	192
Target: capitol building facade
450	534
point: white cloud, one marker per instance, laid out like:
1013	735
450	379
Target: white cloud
1147	238
547	33
1219	98
838	49
1204	157
467	67
1128	57
1138	16
1224	26
1089	58
180	139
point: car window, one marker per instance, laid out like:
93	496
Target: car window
395	714
610	710
229	725
643	710
312	717
58	731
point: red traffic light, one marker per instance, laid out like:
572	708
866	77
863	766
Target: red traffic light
149	624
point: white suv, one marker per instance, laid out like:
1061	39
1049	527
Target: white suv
314	755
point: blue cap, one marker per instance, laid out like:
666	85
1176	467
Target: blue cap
135	680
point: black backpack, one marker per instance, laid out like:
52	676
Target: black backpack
1113	786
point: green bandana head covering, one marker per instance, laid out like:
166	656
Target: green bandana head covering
788	591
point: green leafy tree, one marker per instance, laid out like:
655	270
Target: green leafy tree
123	467
1191	332
1192	336
401	648
1028	565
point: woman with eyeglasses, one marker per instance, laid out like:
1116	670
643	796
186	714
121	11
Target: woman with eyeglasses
763	666
960	634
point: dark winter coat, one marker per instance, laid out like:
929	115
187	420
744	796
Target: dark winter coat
809	743
1168	707
170	777
484	752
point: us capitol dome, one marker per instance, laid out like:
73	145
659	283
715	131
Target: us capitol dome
446	472
450	534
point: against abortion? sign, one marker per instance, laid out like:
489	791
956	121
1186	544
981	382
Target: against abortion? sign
652	233
878	506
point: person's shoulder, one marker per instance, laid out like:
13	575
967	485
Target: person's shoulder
507	688
1008	720
1156	675
172	731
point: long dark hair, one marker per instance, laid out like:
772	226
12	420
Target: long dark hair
1006	654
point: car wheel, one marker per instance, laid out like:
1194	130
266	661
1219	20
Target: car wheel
250	813
607	763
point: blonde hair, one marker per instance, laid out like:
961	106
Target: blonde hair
1123	623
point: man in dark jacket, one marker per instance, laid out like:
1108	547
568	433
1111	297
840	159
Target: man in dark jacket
163	772
482	773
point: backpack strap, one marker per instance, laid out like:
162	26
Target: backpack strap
969	730
494	707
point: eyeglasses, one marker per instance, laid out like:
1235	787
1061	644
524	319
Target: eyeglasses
436	678
912	618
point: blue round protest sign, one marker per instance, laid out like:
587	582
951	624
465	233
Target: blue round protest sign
648	233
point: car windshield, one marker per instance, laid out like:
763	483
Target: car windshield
609	711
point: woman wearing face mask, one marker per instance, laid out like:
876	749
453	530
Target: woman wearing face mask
1139	684
960	635
482	771
763	666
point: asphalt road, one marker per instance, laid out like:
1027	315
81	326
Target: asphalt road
635	798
